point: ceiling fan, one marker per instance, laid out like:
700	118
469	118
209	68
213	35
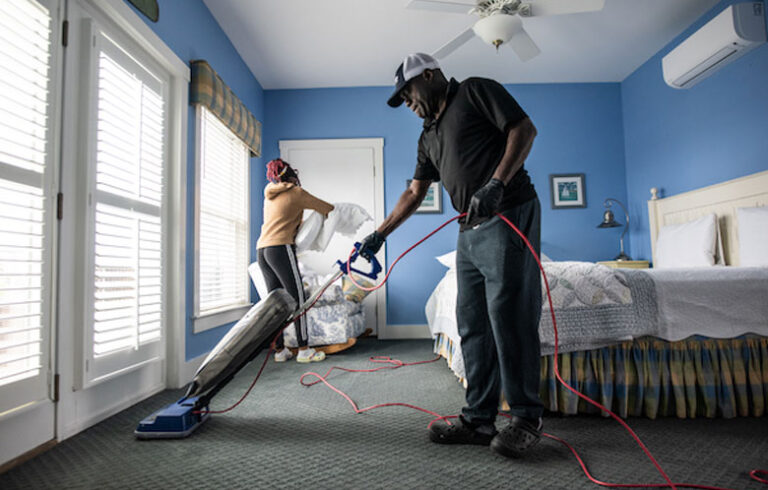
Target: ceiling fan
500	20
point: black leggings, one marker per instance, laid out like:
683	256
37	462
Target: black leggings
280	269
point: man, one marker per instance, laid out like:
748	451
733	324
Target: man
475	139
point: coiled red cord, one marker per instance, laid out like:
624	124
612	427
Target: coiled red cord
396	364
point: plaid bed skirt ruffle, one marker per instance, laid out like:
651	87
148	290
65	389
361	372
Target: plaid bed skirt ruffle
697	377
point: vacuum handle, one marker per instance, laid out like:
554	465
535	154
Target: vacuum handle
375	265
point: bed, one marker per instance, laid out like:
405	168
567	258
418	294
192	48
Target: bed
676	341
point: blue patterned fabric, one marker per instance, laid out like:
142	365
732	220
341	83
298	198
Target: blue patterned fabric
330	322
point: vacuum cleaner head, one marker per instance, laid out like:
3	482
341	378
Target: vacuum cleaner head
174	421
244	341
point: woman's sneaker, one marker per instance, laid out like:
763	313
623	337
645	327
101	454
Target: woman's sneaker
310	355
283	355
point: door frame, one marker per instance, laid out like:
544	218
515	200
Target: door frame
376	145
80	405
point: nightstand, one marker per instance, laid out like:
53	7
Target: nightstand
626	264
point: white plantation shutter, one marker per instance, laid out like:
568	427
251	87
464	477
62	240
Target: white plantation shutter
21	280
25	206
223	217
129	154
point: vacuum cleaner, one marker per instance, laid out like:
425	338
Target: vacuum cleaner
244	341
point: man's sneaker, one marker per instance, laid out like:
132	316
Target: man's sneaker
283	355
310	355
514	440
461	432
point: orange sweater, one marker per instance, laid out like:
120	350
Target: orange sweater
284	205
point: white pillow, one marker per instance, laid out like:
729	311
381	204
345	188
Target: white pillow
691	244
753	236
308	231
448	260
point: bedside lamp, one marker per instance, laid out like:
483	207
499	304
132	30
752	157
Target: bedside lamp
610	222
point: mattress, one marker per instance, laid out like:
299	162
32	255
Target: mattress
716	302
598	306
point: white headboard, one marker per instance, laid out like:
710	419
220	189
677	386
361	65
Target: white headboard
722	199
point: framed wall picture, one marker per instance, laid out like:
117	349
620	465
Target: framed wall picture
433	202
567	191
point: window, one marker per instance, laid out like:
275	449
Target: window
26	202
128	156
222	223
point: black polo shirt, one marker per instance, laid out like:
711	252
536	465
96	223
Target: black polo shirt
465	144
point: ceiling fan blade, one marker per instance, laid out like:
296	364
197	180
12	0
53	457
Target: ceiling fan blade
441	6
454	44
536	8
523	46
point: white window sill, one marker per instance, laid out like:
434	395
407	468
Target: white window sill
219	318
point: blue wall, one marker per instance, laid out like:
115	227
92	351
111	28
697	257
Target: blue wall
190	30
624	137
580	131
679	140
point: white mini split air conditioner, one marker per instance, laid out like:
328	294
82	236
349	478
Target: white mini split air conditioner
732	33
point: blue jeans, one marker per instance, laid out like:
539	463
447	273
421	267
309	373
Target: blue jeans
498	311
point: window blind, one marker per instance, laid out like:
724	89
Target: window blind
223	217
128	239
25	33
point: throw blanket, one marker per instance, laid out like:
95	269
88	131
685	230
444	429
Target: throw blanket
596	306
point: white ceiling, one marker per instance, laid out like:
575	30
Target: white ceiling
347	43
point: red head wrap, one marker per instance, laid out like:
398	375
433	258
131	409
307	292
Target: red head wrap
275	169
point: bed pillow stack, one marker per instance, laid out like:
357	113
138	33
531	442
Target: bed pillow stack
753	236
691	244
448	260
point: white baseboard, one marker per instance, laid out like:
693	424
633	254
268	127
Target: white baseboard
392	332
82	424
190	368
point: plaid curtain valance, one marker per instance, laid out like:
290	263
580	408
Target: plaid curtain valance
208	89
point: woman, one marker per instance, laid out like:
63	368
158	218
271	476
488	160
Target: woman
284	204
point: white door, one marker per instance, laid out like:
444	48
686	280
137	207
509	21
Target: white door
114	242
344	170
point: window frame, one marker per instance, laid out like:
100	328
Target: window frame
233	312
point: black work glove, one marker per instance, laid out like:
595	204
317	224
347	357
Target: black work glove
371	244
485	202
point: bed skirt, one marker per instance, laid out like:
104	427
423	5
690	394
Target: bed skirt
697	377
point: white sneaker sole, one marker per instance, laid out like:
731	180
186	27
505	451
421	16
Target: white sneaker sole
316	357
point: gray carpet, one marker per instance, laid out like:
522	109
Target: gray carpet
287	436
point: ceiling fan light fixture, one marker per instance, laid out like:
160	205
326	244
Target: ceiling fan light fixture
497	29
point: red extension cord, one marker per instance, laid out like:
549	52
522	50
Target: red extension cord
395	364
